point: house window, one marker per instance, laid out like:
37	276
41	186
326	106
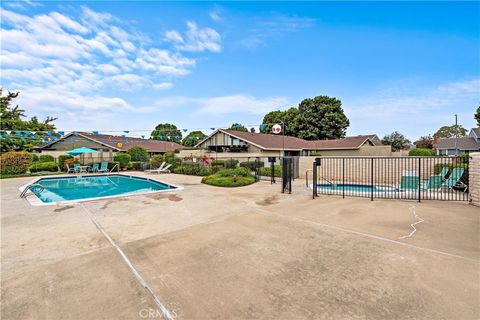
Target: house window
452	151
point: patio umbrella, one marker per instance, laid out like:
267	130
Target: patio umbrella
76	152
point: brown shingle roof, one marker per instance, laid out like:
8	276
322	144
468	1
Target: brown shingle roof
269	141
344	143
272	141
463	143
477	131
128	142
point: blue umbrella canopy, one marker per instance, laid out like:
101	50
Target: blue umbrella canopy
76	152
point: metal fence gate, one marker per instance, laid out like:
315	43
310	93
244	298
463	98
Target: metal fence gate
413	178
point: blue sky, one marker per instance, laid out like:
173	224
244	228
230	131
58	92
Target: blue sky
131	65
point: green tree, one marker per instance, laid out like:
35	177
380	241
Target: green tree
11	120
167	132
425	142
321	118
138	154
193	138
238	127
477	116
450	132
396	140
289	118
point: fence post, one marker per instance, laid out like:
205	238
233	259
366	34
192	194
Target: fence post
343	177
419	178
371	179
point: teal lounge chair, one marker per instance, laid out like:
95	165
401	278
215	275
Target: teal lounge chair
409	183
454	180
433	183
103	167
76	168
95	167
443	173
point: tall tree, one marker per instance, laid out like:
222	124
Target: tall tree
321	118
288	117
424	142
396	140
450	132
16	133
193	138
238	127
477	116
167	132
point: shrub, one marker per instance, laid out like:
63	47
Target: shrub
34	157
14	162
170	158
138	154
242	172
251	165
230	178
123	159
462	157
193	170
218	163
421	152
230	164
266	171
137	165
111	165
156	161
70	162
46	158
62	158
43	166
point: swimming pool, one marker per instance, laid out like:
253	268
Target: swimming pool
61	189
355	187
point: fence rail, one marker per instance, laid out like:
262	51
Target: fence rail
413	178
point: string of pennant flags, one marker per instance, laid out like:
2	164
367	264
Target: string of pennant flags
51	135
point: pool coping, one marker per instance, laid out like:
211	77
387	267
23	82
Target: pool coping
35	201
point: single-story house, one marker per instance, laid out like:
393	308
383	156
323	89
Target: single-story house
262	145
106	145
452	146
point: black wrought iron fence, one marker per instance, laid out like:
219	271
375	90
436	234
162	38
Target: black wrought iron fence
415	178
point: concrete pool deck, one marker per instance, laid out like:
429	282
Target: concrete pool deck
243	253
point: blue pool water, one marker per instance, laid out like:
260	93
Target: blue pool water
87	187
355	187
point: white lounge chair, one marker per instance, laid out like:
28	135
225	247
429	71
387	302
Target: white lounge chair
162	169
158	169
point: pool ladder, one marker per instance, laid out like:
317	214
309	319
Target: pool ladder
29	188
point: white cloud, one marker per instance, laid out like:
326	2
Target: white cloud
195	39
215	15
174	36
22	4
263	28
232	104
409	108
86	57
163	86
